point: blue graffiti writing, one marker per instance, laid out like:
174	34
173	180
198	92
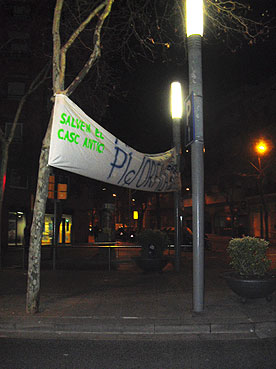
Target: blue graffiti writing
144	174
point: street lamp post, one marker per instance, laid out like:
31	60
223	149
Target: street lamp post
176	113
261	149
194	25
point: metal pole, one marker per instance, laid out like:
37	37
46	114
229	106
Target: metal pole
177	195
55	234
195	87
109	257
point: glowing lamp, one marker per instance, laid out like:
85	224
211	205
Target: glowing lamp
261	147
194	17
176	100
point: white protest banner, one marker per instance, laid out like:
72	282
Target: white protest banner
80	145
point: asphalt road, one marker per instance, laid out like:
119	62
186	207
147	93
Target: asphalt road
138	353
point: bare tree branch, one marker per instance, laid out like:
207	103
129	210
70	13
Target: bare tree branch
96	50
232	18
73	37
56	45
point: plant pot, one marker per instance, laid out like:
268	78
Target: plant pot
251	288
151	264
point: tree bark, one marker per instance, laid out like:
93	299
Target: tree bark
33	283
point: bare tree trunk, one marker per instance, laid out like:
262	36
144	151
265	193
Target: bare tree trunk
6	141
5	144
3	171
33	284
3	167
59	65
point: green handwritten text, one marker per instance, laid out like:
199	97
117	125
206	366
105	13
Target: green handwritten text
75	123
68	136
93	145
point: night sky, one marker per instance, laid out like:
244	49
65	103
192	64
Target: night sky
142	118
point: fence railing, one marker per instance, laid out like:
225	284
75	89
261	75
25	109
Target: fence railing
110	252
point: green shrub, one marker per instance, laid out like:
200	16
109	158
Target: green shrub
153	243
248	256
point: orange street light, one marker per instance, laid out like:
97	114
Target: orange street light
261	147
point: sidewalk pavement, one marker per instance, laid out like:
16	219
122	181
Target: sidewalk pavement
128	301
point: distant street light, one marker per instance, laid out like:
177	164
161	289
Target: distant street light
194	29
176	113
261	147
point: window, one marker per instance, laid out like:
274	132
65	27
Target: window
21	11
17	133
16	89
16	227
19	47
63	179
18	180
19	42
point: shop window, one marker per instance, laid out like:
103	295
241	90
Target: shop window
64	235
16	226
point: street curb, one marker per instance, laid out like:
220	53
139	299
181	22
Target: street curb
141	327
